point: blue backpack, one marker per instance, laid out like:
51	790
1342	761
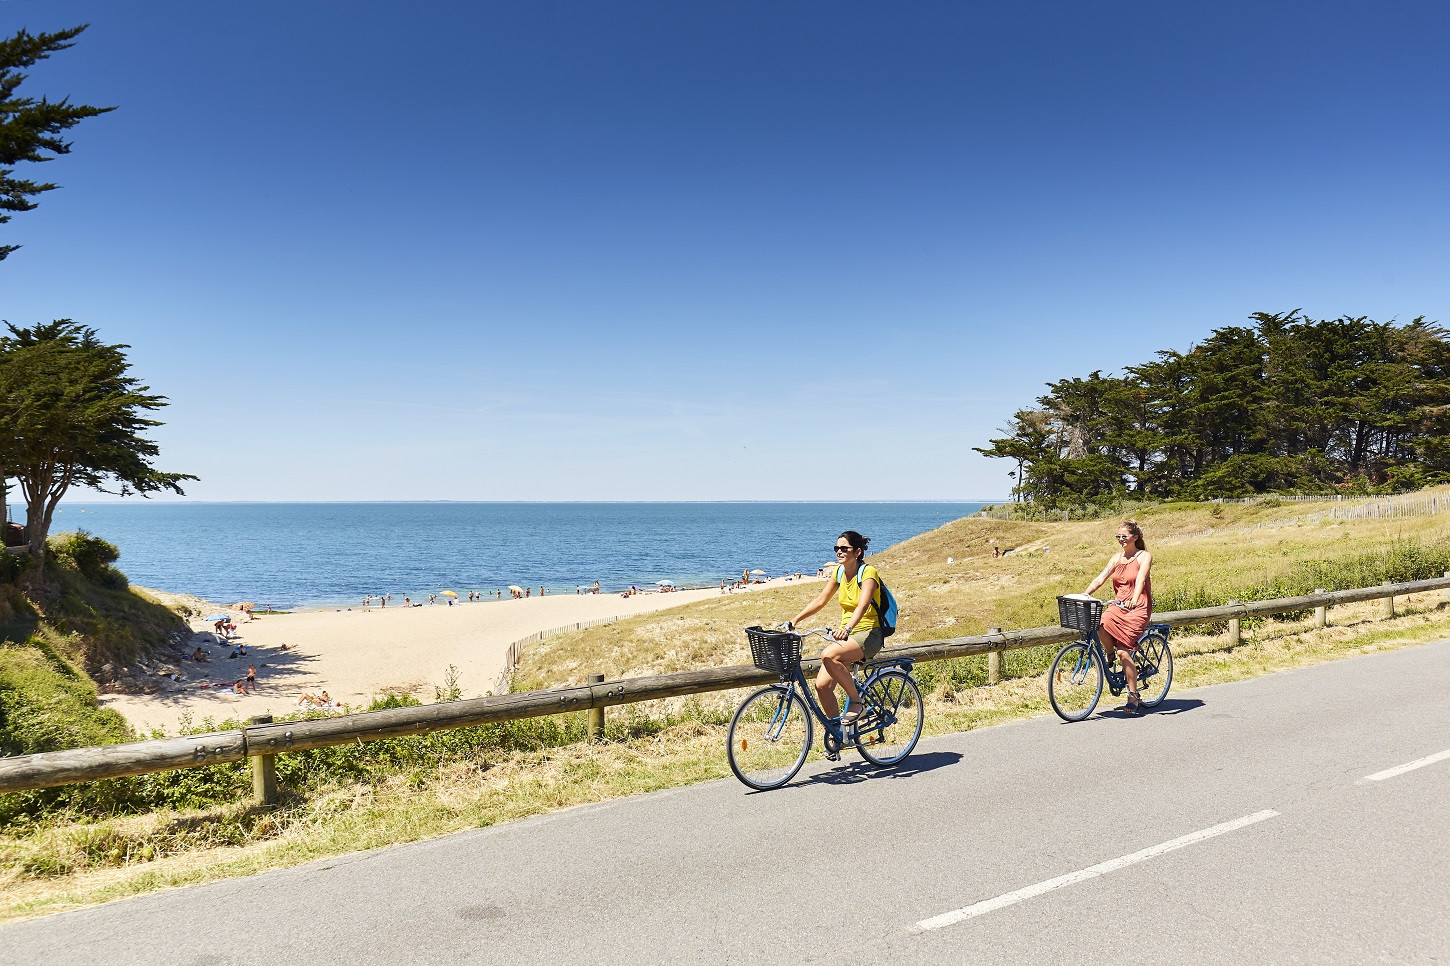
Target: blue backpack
885	616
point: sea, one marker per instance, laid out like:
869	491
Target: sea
318	555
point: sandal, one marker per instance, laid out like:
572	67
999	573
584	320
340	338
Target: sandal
1134	704
855	710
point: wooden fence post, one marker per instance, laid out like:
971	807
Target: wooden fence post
264	771
1389	602
1447	590
1321	614
596	715
1235	627
994	660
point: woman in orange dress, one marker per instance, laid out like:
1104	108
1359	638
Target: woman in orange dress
1126	620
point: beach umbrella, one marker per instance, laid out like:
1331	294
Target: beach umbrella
664	583
449	593
219	617
757	573
516	588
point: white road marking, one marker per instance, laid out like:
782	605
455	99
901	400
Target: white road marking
1380	776
1092	872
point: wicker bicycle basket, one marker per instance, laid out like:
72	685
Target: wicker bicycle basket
777	651
1079	612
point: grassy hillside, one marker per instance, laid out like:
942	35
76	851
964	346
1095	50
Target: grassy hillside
949	584
63	630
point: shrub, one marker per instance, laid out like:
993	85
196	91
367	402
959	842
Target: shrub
12	565
91	556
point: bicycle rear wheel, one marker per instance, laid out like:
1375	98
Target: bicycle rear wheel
1155	670
1075	682
769	738
890	730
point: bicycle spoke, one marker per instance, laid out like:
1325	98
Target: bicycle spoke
769	738
1158	658
892	737
1075	681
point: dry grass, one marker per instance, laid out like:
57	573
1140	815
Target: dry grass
166	850
67	865
1194	545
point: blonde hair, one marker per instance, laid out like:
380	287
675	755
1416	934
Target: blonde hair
1132	527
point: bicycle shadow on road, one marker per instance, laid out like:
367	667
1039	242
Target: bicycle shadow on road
1166	707
863	771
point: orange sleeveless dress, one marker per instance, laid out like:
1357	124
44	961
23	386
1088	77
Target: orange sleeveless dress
1126	626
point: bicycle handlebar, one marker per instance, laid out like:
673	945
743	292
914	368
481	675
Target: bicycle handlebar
1110	602
790	628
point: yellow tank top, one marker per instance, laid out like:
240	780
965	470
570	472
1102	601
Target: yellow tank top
850	596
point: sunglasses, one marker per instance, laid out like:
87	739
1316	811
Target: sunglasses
846	549
1124	537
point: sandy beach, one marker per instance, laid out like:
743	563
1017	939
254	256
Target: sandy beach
357	654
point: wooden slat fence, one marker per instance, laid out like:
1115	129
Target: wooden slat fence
260	741
511	659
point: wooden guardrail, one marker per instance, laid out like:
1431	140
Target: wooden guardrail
262	740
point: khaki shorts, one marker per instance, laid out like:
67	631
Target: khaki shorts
871	642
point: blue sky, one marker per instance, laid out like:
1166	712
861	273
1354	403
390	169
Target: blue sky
559	250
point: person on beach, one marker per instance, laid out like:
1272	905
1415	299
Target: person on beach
251	675
1127	618
857	585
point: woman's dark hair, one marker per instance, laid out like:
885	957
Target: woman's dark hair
1132	527
856	541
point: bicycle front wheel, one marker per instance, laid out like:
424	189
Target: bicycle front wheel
1155	670
769	738
890	730
1075	682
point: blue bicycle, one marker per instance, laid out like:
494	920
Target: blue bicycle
773	730
1075	679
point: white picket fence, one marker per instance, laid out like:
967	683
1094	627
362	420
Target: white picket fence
1368	508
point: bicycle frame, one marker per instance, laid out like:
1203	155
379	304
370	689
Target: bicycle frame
1117	678
831	730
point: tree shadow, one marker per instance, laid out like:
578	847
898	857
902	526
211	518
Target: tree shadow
273	666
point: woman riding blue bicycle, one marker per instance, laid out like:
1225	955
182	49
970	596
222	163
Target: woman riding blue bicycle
857	586
1133	591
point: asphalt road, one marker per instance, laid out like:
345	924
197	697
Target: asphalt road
1237	824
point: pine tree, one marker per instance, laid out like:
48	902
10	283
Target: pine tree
29	129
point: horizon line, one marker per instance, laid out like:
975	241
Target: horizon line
146	502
